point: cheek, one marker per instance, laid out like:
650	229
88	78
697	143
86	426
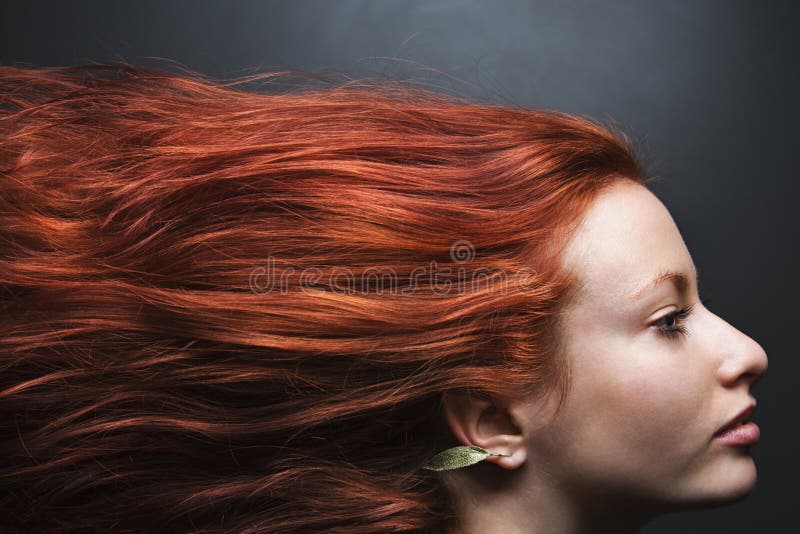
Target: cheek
655	403
639	405
634	415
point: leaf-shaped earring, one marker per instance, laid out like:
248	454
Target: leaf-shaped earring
457	457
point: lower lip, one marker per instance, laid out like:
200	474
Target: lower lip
742	435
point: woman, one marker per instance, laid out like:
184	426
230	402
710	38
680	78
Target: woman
287	311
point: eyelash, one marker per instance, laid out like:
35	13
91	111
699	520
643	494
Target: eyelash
680	317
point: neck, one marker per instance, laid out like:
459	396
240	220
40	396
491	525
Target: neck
518	504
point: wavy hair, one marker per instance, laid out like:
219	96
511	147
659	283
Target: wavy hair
196	333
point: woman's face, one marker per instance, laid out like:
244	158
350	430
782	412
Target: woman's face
643	406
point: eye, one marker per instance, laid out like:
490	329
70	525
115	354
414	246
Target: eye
672	325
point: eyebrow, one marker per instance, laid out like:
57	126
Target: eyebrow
678	279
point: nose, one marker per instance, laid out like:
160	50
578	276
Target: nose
745	361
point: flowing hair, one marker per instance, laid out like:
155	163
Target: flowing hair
235	310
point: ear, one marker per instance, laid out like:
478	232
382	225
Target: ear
477	419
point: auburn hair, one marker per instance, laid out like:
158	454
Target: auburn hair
195	329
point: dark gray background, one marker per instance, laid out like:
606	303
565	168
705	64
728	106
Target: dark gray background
707	87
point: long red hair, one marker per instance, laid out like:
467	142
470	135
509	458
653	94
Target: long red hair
165	365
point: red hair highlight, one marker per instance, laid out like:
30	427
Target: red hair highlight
149	381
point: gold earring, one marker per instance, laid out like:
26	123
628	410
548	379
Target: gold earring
457	457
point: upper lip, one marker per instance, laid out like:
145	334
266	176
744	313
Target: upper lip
740	418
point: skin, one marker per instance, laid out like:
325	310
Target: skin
634	437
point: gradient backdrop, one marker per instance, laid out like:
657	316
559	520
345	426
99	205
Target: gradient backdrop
708	88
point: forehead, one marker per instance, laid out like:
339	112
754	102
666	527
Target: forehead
626	238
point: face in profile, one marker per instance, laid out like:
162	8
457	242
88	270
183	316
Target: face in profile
655	374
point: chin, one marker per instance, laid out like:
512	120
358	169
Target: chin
742	480
731	480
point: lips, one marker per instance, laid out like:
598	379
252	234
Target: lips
742	417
